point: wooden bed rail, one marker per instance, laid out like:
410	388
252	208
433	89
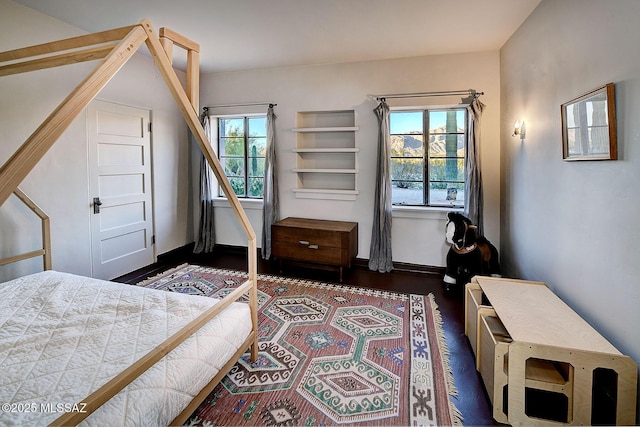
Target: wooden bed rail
45	252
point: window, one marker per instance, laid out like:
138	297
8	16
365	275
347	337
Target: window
432	175
242	146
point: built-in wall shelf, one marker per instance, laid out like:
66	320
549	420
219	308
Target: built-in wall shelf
325	150
310	193
317	170
327	129
326	164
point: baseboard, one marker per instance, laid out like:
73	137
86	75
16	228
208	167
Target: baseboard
182	252
186	251
405	266
177	254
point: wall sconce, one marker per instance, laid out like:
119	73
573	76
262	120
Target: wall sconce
519	129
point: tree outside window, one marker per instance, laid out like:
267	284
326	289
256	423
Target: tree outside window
242	146
431	175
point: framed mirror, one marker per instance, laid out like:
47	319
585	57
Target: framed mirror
589	126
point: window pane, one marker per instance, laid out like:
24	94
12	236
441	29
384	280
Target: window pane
233	166
232	147
256	187
446	121
256	166
446	194
406	122
242	150
257	126
446	169
238	186
403	195
407	145
407	169
451	145
257	147
232	127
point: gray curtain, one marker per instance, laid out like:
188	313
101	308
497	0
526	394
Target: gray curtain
380	252
206	234
473	184
270	209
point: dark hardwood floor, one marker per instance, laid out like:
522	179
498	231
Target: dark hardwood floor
472	400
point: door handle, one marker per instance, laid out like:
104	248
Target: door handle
96	205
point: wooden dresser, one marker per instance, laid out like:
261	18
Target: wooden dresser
321	242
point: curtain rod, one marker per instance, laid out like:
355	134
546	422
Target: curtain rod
239	105
469	92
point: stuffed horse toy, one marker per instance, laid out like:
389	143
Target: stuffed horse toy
469	255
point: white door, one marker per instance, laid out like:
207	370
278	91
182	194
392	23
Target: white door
120	189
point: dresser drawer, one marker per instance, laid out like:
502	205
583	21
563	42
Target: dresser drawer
309	253
307	236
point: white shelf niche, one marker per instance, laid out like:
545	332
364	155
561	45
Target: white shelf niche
326	165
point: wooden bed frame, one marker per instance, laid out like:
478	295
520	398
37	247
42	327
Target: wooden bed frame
114	48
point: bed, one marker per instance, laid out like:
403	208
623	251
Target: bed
76	350
101	328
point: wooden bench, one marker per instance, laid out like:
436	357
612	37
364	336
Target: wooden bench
541	362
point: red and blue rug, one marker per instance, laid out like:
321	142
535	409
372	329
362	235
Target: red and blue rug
328	354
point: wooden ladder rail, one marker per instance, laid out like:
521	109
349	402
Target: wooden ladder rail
45	252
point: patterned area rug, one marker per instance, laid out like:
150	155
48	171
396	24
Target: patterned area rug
328	354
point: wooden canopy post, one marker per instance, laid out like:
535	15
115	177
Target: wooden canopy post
191	117
168	38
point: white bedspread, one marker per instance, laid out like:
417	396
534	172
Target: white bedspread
63	336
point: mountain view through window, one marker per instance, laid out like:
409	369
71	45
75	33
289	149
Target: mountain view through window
433	175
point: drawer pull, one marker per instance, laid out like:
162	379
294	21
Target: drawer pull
313	246
303	242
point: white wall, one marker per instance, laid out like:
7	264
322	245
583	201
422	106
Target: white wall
59	183
574	225
418	238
